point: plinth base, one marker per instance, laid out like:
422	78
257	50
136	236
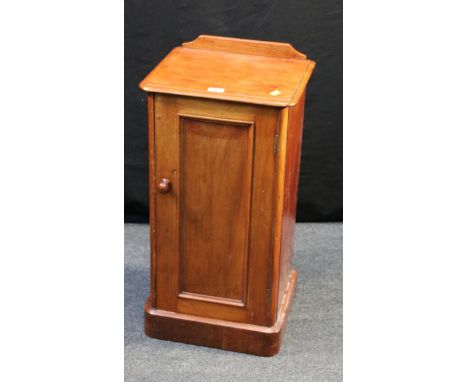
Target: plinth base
226	335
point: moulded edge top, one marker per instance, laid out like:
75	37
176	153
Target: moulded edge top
226	45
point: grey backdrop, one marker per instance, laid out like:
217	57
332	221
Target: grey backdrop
314	27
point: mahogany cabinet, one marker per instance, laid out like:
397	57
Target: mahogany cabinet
225	125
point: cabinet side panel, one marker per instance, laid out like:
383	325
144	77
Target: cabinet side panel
291	180
151	180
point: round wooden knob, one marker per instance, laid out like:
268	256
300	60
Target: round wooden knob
164	186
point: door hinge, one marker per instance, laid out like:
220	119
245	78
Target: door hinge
275	145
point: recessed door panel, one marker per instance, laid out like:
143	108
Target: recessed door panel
214	209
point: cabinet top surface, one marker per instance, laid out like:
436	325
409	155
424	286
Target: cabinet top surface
260	72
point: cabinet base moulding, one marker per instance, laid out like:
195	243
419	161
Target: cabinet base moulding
226	335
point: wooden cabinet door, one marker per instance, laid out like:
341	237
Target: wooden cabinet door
214	207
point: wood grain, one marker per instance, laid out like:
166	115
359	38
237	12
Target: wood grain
293	141
213	255
151	190
241	77
242	46
221	334
216	165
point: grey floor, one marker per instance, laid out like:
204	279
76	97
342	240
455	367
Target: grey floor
312	344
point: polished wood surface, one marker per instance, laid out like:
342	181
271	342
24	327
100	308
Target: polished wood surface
223	192
242	46
216	166
221	334
292	160
234	70
213	255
